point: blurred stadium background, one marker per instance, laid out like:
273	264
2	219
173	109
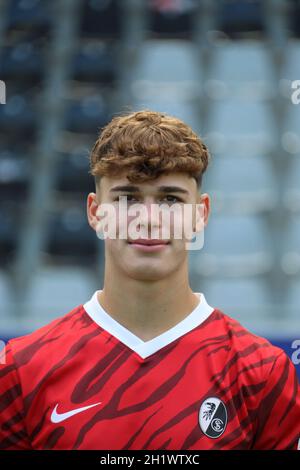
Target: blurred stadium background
225	67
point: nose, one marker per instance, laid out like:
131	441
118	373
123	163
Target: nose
149	217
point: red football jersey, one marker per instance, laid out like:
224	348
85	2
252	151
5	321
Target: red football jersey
86	382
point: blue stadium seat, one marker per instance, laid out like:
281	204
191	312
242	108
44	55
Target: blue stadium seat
160	84
185	110
29	14
290	69
72	172
87	114
14	176
94	61
241	69
171	19
101	19
292	300
240	16
69	235
18	116
169	61
241	185
234	246
290	138
10	217
295	17
290	260
23	61
56	288
240	128
6	303
291	185
241	299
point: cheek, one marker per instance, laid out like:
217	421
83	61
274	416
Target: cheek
178	249
181	223
116	248
125	223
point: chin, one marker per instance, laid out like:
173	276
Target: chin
147	273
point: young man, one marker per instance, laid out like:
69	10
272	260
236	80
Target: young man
147	363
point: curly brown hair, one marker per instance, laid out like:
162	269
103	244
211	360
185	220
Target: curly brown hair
146	144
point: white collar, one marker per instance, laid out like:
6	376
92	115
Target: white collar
145	348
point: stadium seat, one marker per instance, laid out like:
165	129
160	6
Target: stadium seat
292	300
29	14
94	61
10	217
6	305
87	114
101	19
290	69
240	16
291	195
185	110
252	79
18	115
21	60
171	19
159	83
72	172
234	246
14	175
240	128
69	235
290	260
290	137
57	289
246	300
241	185
169	61
295	17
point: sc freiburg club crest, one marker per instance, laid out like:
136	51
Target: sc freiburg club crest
213	417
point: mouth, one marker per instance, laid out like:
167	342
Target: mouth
149	242
149	245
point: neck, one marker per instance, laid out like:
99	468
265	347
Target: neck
147	308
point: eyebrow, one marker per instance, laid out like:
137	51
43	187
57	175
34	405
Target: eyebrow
162	189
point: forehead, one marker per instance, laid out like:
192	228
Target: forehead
174	179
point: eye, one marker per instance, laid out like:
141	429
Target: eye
173	198
129	197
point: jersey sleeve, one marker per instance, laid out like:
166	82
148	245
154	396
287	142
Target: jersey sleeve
13	434
279	409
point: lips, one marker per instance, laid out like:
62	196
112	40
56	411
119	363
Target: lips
149	242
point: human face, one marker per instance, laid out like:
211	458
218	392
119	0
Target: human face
135	259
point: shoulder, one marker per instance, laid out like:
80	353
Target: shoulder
248	351
243	338
53	336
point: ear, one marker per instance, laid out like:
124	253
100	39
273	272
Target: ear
202	212
91	208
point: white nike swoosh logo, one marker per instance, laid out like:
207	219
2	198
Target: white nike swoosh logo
59	417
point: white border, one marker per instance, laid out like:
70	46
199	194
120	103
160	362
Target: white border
145	348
